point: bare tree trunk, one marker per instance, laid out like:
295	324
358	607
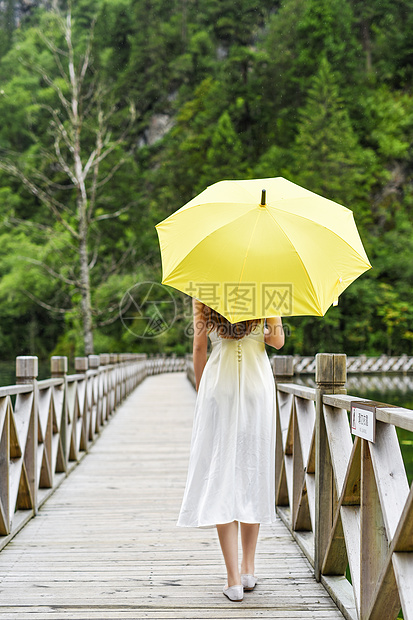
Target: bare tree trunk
85	304
82	200
82	170
365	31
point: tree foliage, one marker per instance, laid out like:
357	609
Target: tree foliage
318	91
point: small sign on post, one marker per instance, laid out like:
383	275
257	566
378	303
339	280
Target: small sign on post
363	419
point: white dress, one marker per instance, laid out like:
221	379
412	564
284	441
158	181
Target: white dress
231	472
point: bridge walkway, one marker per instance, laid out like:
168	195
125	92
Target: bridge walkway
105	545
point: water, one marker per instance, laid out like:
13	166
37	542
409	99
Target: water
391	389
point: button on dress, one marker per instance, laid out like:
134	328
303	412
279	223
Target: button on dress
231	471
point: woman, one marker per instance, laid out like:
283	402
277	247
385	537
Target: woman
232	459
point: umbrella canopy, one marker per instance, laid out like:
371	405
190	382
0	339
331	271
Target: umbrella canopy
249	253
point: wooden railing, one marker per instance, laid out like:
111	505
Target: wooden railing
161	363
46	427
345	500
361	364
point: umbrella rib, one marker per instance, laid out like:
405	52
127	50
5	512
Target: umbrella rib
253	198
211	232
299	198
246	255
204	204
301	260
308	219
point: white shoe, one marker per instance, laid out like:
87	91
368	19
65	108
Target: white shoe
234	593
249	582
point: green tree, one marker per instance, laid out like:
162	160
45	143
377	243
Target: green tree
224	158
385	32
317	91
397	317
67	172
298	36
327	156
7	26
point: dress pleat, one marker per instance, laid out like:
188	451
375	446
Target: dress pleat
231	471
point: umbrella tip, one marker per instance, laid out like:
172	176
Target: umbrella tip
263	195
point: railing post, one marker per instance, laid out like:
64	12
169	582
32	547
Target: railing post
27	372
81	367
81	364
58	366
189	363
283	368
58	369
94	361
103	386
330	379
114	359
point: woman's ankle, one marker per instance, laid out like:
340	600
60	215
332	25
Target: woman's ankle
234	579
247	569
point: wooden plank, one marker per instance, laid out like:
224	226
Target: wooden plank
9	390
350	518
73	378
305	416
288	465
48	383
385	601
330	378
399	416
390	474
298	390
335	559
105	545
352	483
135	611
341	401
403	537
299	492
340	443
341	592
373	545
403	570
285	404
310	483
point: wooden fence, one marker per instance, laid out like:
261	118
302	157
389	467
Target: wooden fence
160	364
46	427
361	364
346	500
363	383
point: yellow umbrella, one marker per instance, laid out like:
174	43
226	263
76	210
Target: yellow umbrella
261	248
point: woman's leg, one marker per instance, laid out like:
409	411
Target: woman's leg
228	539
249	536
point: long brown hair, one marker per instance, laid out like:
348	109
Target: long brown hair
224	328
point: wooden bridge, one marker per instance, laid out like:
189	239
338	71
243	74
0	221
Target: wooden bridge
105	545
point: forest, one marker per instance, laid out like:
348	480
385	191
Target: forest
114	113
